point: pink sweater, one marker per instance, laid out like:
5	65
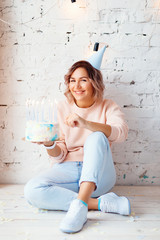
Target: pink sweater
72	139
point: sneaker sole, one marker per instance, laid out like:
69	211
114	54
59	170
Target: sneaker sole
71	231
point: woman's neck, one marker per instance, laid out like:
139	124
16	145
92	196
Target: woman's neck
86	104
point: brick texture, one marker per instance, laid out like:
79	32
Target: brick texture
38	43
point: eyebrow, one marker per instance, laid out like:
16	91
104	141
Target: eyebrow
80	77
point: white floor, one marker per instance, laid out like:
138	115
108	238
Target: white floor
20	221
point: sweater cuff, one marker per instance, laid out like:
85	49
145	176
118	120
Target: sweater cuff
114	134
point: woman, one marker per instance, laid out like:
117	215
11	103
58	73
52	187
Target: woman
84	172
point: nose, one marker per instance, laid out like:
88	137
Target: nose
77	84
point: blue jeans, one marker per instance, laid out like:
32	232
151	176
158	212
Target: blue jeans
57	187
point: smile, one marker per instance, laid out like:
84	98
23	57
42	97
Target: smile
79	92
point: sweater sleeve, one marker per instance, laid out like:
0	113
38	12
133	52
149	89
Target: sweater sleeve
115	118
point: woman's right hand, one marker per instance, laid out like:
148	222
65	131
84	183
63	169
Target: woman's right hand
46	143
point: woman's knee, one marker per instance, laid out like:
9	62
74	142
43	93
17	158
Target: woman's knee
96	138
30	190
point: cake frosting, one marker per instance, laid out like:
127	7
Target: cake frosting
41	131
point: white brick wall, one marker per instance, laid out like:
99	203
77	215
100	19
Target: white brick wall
35	55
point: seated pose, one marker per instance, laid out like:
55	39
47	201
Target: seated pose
84	170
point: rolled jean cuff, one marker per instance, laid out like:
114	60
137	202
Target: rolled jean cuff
94	180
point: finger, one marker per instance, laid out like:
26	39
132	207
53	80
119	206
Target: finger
38	143
49	143
65	122
73	124
68	123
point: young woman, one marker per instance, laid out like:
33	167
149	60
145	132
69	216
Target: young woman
84	171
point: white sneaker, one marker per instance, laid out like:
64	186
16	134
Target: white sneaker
110	202
75	218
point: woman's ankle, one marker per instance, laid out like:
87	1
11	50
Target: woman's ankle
93	204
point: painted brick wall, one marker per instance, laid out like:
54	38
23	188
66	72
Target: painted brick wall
39	40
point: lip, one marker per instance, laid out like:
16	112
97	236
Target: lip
79	92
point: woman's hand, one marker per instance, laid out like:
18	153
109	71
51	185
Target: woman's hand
74	120
45	143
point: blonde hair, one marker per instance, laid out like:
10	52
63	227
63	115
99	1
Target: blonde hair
95	77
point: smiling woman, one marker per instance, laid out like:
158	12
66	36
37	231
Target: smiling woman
81	88
82	76
84	172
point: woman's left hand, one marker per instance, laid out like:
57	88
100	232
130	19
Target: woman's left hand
74	120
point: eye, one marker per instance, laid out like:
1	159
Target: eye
71	80
84	80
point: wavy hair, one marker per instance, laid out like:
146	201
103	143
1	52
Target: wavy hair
95	77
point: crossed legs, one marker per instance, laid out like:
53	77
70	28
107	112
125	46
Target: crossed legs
58	188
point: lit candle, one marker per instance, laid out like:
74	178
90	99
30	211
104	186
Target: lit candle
55	111
49	111
52	109
33	110
27	109
42	110
37	111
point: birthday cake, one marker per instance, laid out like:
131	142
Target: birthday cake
42	121
39	132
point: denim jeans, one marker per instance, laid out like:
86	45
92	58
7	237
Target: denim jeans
57	187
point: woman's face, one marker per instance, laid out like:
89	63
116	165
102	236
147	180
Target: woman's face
81	88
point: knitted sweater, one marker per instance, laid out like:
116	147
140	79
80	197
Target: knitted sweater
72	139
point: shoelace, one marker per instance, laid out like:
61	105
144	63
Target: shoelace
109	206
